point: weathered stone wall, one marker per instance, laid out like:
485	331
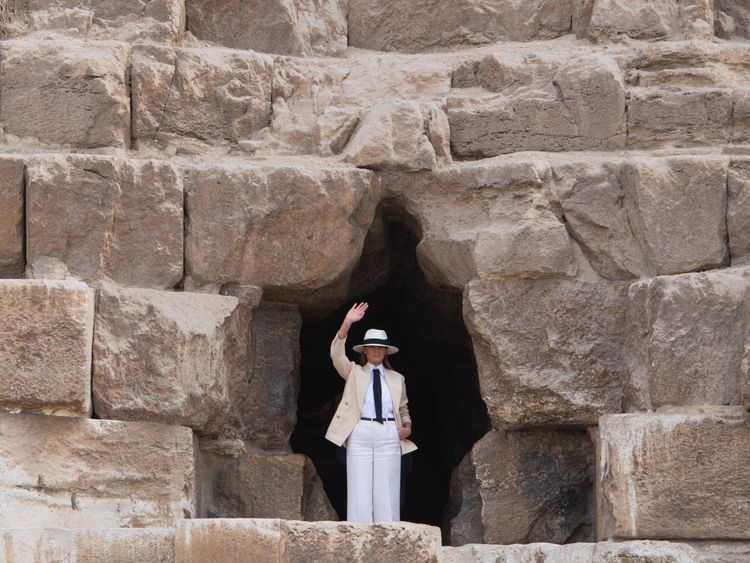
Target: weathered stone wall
183	183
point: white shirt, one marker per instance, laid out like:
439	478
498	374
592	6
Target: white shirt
368	407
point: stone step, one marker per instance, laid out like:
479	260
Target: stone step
674	475
81	473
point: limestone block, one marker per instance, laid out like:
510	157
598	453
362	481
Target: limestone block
210	95
291	230
731	19
81	85
685	340
262	485
525	486
150	545
738	210
45	350
677	207
272	541
12	259
125	20
286	27
604	552
269	404
401	25
99	218
679	117
196	347
676	475
549	352
741	117
83	473
722	551
547	105
651	20
392	135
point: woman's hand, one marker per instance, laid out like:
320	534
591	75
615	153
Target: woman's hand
404	432
356	313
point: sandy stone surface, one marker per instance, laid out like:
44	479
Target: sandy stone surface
45	349
81	85
738	210
72	476
679	475
102	218
196	347
12	259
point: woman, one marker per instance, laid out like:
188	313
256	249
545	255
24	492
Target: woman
373	420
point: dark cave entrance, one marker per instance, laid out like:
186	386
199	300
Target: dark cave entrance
436	358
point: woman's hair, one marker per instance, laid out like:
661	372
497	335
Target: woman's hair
363	361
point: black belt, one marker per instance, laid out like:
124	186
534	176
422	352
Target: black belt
375	419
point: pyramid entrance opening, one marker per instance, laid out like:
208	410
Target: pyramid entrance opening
436	358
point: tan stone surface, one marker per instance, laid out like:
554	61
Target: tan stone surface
81	85
229	540
524	487
150	545
548	352
731	19
403	25
99	218
721	551
685	339
674	475
616	552
196	349
291	230
45	348
286	27
194	97
738	210
80	473
523	103
12	259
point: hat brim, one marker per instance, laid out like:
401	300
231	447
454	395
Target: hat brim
360	348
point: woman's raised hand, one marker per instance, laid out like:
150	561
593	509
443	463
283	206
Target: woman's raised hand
356	313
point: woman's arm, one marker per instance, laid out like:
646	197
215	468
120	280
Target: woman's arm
403	410
355	314
338	352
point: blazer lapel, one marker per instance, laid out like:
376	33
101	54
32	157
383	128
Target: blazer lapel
363	382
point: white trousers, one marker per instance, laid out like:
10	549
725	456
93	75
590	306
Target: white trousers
373	473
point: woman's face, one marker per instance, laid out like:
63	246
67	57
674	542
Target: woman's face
374	354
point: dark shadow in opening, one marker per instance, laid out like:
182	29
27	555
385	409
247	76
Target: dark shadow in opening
437	361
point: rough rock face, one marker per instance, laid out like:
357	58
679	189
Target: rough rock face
279	540
738	210
286	27
12	259
291	230
731	19
686	339
81	85
45	350
82	212
196	347
665	475
533	368
73	476
528	485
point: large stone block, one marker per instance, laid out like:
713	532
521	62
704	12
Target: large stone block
274	541
545	104
401	25
99	218
45	349
78	473
604	552
548	352
291	230
686	339
674	475
651	20
731	19
12	259
196	351
738	210
151	545
286	27
525	486
82	86
201	96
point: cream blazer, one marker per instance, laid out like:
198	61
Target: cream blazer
357	381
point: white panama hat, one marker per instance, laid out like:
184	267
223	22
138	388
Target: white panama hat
376	337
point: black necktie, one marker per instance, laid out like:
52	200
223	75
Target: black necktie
376	390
